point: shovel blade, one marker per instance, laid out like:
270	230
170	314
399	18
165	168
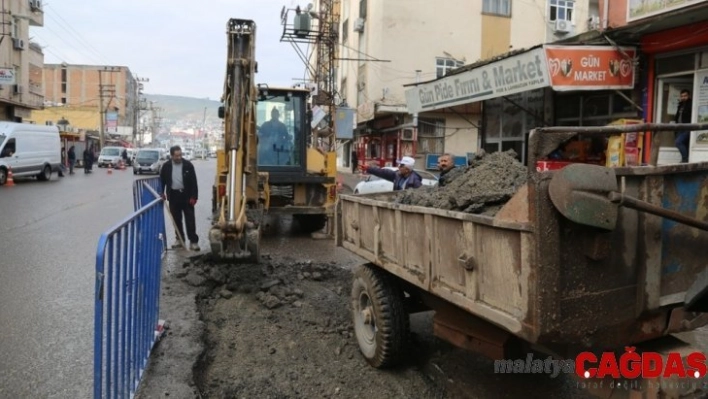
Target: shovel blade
579	192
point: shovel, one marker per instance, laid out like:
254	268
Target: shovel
588	195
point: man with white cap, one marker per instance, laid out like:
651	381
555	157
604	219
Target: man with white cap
402	179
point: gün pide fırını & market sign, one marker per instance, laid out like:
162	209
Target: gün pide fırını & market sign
516	74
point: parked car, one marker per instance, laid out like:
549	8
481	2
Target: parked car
149	160
30	150
110	156
373	184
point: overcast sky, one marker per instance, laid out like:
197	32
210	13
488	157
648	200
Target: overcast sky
180	45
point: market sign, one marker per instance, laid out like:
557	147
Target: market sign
590	67
640	9
7	76
516	74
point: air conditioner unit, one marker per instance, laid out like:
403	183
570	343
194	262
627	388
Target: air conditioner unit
19	89
359	25
35	4
594	22
408	135
18	44
563	26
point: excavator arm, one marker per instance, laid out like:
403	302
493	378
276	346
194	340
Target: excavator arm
240	192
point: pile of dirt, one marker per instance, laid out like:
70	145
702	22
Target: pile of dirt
282	328
483	187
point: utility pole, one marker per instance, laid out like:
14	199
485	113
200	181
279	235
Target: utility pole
325	39
105	90
140	105
203	150
156	119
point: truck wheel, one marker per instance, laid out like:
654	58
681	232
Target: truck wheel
3	176
381	323
46	174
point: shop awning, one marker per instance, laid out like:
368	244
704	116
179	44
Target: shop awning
563	68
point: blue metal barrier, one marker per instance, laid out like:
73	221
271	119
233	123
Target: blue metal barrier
128	272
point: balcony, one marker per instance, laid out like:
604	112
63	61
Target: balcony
36	12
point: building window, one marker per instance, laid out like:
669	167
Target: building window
508	120
362	8
445	65
345	31
431	136
63	100
497	7
561	10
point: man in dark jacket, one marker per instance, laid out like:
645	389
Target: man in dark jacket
683	115
402	179
446	163
179	186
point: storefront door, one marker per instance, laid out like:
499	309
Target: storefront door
668	92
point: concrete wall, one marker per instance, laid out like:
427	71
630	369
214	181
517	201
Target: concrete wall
83	88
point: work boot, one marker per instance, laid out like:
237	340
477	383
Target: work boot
194	247
177	245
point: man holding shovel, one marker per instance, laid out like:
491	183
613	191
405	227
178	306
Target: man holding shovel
179	183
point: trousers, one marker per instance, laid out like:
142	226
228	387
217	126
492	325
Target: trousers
179	205
682	141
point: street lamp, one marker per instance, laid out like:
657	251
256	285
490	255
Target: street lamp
63	123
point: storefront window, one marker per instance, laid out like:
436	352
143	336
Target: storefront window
508	120
676	64
596	109
703	62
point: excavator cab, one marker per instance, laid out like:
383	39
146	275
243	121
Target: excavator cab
301	168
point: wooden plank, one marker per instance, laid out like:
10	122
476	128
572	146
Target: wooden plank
481	219
653	246
471	276
500	269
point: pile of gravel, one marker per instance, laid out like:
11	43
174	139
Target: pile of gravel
483	187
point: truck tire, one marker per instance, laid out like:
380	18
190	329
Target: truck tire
3	176
381	324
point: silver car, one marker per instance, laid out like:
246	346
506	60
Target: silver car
149	161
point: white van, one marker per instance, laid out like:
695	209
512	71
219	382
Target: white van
110	156
30	150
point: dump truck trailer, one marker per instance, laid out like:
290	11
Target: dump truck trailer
534	275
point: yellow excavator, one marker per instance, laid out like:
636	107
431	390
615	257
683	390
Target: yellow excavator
271	162
240	192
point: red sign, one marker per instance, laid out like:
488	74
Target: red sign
646	365
590	67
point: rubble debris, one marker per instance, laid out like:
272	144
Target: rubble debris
483	187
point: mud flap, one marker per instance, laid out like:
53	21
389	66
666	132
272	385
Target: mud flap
697	296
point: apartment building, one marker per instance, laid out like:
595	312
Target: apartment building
82	93
21	61
386	45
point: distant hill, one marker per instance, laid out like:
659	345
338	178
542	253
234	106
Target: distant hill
185	108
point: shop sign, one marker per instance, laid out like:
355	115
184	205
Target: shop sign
590	67
700	98
639	9
516	74
7	76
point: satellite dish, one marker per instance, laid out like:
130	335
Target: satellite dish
310	7
282	14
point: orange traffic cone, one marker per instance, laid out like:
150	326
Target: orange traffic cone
122	165
10	180
110	169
